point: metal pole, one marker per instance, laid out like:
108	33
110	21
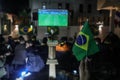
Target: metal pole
110	20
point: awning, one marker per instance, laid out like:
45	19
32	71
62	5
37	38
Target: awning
108	4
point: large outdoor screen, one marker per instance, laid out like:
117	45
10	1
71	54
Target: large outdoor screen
52	17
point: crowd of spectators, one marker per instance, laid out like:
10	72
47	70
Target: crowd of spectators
104	63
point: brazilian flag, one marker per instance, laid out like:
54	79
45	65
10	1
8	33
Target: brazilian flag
53	30
85	44
26	29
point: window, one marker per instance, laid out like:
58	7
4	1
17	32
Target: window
67	6
89	8
81	8
59	5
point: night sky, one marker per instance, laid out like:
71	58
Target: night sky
14	6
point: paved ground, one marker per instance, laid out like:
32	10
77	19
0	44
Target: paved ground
44	74
41	75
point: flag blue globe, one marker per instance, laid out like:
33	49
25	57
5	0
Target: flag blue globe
81	39
25	29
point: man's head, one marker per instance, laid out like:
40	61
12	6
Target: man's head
22	40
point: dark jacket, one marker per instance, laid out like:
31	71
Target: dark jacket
35	62
20	54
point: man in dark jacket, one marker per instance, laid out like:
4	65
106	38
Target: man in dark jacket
19	54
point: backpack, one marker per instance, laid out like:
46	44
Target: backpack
34	63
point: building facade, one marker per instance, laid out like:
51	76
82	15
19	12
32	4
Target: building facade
79	10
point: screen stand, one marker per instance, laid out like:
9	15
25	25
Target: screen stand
52	61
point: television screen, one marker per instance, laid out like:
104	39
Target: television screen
52	17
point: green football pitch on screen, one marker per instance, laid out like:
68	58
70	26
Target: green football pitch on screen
52	17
